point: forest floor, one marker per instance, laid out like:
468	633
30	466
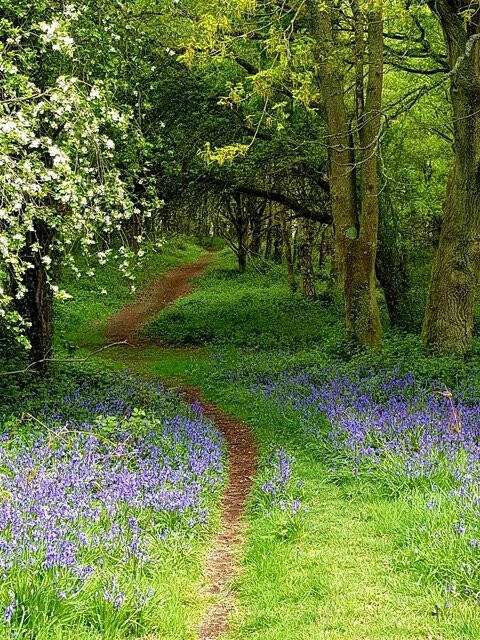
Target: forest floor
314	541
221	567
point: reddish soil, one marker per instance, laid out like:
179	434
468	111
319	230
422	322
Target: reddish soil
242	453
127	323
221	564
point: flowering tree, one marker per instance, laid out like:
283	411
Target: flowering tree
59	184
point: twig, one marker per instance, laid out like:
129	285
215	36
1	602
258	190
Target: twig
455	420
65	360
64	431
29	416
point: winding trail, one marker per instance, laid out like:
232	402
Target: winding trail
127	323
221	564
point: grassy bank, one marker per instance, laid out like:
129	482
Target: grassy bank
81	319
253	310
356	559
369	528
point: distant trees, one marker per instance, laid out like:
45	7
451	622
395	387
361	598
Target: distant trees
322	63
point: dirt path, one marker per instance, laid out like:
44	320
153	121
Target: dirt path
242	454
221	564
127	323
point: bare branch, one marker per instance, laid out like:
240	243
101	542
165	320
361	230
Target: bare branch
301	210
31	366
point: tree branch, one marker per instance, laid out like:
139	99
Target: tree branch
64	360
301	210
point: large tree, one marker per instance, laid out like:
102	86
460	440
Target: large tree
448	322
352	153
66	130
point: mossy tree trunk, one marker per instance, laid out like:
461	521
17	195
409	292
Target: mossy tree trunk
355	212
286	233
36	305
448	322
305	252
324	245
392	272
256	222
269	231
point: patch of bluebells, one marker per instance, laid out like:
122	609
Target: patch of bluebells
9	610
377	418
406	432
277	482
95	473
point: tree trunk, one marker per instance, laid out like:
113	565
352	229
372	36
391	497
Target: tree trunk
287	250
241	228
324	245
277	237
39	299
448	322
305	250
391	270
256	223
355	215
269	232
37	303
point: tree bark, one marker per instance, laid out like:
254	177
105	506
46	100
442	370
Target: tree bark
241	229
355	214
37	303
237	237
393	276
40	301
448	321
305	250
287	250
256	219
268	233
277	238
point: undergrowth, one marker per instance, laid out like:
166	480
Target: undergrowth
253	310
81	319
110	490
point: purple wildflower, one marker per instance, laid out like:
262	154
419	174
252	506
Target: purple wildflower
9	611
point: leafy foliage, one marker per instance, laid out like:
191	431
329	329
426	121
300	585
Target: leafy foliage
254	310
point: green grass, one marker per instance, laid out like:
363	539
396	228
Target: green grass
254	310
354	565
81	320
172	614
342	570
256	315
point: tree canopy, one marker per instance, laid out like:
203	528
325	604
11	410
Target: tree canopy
246	120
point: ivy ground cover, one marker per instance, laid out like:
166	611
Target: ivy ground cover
107	491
